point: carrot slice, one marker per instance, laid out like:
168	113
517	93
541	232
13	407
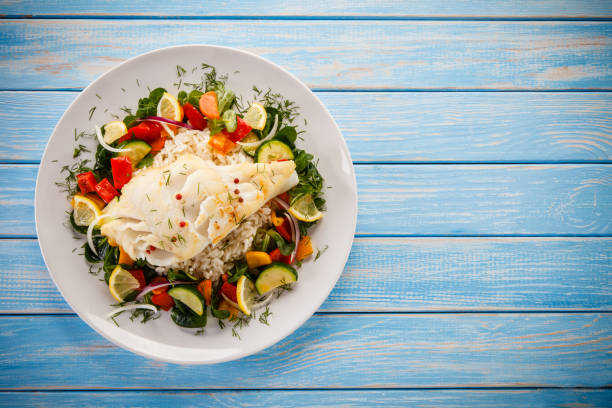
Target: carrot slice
209	106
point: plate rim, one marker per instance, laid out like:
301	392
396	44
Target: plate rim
244	352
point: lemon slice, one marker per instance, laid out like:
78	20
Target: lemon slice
86	209
121	283
246	293
170	108
114	130
304	209
256	116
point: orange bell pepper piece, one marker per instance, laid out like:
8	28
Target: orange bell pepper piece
221	143
304	248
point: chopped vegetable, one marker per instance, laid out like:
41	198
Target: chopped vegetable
275	275
284	229
136	150
190	297
229	120
209	106
304	248
122	170
273	150
229	290
277	256
163	300
87	182
205	288
159	280
241	130
106	191
276	221
221	143
124	258
225	305
255	259
147	131
194	116
157	145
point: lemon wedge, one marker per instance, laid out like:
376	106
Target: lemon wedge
256	116
114	130
86	209
121	283
170	108
246	293
304	209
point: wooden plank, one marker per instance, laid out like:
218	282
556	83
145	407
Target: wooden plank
47	54
306	399
401	127
426	200
384	8
347	351
403	275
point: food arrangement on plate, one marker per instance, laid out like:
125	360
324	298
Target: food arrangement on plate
198	203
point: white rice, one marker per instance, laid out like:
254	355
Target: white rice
213	260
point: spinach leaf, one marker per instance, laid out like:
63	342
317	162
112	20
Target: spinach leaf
239	269
214	303
286	248
182	97
185	317
194	98
287	135
148	106
301	160
173	275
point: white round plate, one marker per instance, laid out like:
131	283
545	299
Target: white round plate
161	339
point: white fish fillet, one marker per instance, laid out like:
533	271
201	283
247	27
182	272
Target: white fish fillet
181	208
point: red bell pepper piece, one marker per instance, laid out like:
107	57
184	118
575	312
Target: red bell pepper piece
163	300
106	191
285	197
284	229
87	182
242	129
157	145
229	290
147	131
139	275
196	119
276	256
122	170
157	281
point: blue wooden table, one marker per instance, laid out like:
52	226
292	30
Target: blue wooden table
482	139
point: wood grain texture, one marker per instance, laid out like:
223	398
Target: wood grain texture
308	399
326	54
426	200
328	351
248	8
403	275
402	127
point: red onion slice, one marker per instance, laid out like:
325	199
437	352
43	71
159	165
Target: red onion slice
163	120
